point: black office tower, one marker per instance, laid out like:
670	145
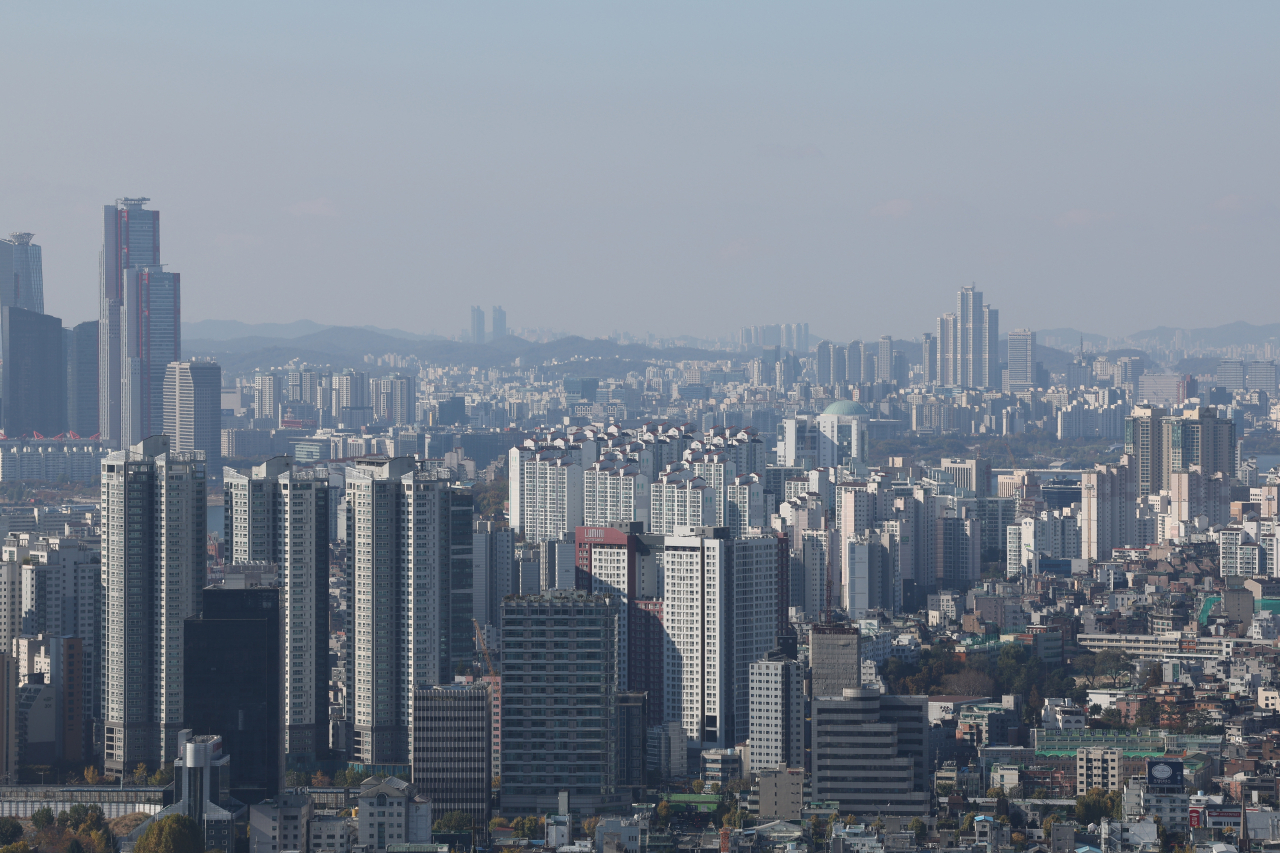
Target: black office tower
232	686
35	375
82	378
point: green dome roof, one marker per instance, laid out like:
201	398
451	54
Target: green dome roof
846	407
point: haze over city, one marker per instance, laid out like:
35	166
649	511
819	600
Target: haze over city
1094	166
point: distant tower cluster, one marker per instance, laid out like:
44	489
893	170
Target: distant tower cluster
968	344
477	324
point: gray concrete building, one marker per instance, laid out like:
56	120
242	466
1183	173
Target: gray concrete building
451	749
559	690
869	752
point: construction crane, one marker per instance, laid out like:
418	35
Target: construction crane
488	661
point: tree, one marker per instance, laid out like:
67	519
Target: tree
455	821
320	779
296	779
967	824
698	786
1112	664
140	775
969	682
42	818
917	828
499	823
20	847
10	831
715	787
1095	804
91	775
173	834
73	846
664	811
1019	839
995	792
589	826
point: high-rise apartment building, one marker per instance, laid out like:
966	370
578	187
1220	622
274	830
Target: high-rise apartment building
870	752
968	344
823	360
1164	442
21	273
929	358
720	611
82	378
35	375
499	322
613	489
451	749
680	498
409	544
493	554
153	565
279	514
546	492
744	505
393	399
150	338
232	684
777	712
60	595
130	237
193	409
1197	438
1107	509
559	726
477	324
884	360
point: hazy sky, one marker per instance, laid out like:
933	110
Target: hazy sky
677	168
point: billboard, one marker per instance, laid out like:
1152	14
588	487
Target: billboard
1161	772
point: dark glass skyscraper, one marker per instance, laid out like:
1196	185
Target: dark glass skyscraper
35	376
232	684
21	273
82	378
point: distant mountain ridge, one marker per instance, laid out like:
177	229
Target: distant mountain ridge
346	346
226	330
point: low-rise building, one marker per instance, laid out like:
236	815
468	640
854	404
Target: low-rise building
781	793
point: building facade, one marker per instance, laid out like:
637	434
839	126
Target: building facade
153	564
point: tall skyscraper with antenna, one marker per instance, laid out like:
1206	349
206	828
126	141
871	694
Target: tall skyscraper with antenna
139	323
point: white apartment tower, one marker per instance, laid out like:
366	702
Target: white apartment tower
613	489
721	615
153	568
280	514
680	498
777	713
409	546
546	493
